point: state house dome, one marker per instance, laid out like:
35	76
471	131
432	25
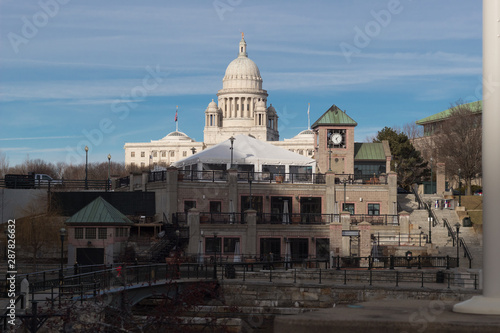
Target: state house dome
242	72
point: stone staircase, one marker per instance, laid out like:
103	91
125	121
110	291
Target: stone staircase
441	240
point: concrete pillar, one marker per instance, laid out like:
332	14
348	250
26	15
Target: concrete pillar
232	182
171	192
131	182
193	221
365	242
144	180
392	183
251	234
440	178
489	302
345	220
404	223
335	241
330	193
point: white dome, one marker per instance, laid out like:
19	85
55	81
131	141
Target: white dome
242	72
212	107
176	136
242	68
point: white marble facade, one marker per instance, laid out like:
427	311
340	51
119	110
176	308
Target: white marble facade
241	108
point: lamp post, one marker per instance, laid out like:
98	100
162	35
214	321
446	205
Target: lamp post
215	255
429	239
458	245
86	166
109	168
231	148
62	233
432	188
459	187
250	185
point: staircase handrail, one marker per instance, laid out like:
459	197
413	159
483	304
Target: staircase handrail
451	232
417	198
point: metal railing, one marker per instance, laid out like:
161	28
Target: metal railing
222	218
63	184
467	253
384	219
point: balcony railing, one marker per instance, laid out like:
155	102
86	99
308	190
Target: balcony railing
222	218
375	219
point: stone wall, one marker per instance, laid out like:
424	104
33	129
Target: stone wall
276	294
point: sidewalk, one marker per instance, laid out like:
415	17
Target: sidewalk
387	317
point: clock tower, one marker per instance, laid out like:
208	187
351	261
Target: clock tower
334	141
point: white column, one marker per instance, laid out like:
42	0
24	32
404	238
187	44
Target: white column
489	302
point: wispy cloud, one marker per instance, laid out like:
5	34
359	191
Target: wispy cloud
39	138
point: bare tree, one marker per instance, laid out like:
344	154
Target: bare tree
412	130
38	231
4	164
459	141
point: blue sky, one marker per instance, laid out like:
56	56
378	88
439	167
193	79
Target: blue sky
102	73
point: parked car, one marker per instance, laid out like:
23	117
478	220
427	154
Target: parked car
479	192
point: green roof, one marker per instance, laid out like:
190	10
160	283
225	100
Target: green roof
369	151
99	211
475	107
334	116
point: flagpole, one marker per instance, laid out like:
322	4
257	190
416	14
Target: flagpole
308	118
176	121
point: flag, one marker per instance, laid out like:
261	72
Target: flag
176	113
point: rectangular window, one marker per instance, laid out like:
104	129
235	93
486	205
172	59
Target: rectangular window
155	154
348	207
90	233
184	153
374	209
143	154
103	233
230	245
212	245
78	233
132	154
163	154
215	206
172	153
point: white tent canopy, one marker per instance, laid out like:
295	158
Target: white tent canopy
247	151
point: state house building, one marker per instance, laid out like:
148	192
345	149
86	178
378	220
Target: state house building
242	108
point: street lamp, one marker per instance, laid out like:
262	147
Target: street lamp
458	247
109	167
231	148
86	166
250	184
193	150
62	233
215	255
432	189
429	240
459	187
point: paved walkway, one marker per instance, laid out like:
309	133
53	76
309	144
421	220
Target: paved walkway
401	316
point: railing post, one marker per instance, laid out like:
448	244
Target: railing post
338	262
449	280
295	275
419	262
397	278
371	277
391	262
447	262
320	276
370	263
270	275
345	276
422	279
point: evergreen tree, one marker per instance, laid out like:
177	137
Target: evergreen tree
407	161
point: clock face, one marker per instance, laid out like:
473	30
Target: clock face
336	138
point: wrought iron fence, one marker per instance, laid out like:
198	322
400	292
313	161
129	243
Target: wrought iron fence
222	218
384	219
